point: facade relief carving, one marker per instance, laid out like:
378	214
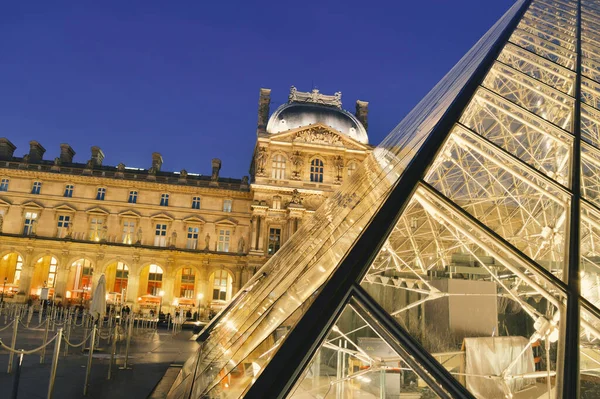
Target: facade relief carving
297	161
261	160
318	135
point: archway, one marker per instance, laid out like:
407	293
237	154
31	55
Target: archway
11	266
184	290
79	284
221	283
44	275
117	278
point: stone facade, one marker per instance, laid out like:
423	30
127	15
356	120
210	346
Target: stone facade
180	239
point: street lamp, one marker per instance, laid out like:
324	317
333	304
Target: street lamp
160	294
199	296
3	289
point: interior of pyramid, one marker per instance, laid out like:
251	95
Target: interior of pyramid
473	275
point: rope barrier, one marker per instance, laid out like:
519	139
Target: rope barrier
29	352
31	328
78	345
6	326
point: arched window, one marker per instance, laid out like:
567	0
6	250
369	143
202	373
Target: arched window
188	279
316	170
121	276
11	266
221	286
155	276
351	168
83	277
278	167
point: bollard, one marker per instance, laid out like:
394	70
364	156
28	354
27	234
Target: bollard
13	343
40	315
55	362
129	332
89	362
15	390
68	335
113	351
43	353
85	332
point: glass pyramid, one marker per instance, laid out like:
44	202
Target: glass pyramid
462	260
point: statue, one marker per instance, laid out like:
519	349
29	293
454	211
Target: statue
297	161
139	236
241	245
121	167
56	161
215	175
339	167
245	181
89	164
292	96
261	159
104	233
153	169
206	241
183	174
173	238
1	222
26	158
69	231
296	197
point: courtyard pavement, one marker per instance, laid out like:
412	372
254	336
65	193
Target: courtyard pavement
151	354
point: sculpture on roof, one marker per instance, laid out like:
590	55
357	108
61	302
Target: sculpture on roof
315	97
183	174
121	167
261	159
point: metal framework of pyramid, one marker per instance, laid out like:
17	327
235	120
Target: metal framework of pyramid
461	260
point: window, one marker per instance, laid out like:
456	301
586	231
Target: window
192	238
274	240
351	168
68	191
37	187
187	283
164	200
221	285
132	197
160	235
121	276
278	167
155	275
128	231
29	225
52	273
316	170
96	225
100	194
196	203
64	221
4	184
18	270
83	277
277	202
224	238
227	205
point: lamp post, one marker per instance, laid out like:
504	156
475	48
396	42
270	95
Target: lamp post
3	289
199	296
160	294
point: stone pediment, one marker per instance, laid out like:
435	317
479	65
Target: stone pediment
318	134
97	211
32	205
162	216
5	202
129	214
194	219
65	208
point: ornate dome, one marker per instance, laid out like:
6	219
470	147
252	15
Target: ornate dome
305	109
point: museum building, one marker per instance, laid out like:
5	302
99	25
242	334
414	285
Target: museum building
176	239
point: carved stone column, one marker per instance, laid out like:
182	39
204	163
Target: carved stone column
262	232
203	284
27	273
60	288
238	281
133	280
253	242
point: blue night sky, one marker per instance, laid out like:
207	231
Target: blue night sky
182	77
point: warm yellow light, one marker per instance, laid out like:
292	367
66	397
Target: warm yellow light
175	303
68	294
200	296
161	293
140	298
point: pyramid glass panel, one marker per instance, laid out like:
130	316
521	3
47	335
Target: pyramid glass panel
354	362
472	231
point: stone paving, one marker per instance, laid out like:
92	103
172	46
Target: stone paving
151	354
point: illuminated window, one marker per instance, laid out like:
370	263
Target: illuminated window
277	202
128	231
224	238
52	273
64	221
132	197
101	194
274	240
221	285
4	184
18	270
192	238
83	277
316	170
278	167
351	168
196	203
187	283
164	200
121	276
29	225
155	276
68	191
160	235
227	205
37	187
96	224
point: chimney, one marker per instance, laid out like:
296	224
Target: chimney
66	153
362	113
36	151
7	149
157	161
264	102
97	156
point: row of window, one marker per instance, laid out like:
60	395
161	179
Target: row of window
84	271
101	194
317	169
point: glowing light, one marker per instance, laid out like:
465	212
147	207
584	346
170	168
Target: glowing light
200	296
161	293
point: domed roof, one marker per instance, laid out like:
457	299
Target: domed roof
297	114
